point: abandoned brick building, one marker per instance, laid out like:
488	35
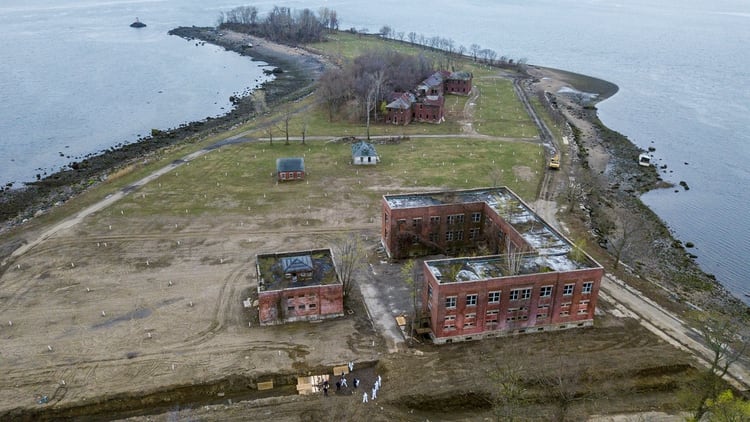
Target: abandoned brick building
527	277
427	103
298	286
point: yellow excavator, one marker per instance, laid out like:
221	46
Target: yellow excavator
554	162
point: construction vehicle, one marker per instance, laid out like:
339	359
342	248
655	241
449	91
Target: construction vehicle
554	162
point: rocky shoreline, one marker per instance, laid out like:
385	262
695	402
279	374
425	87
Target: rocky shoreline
294	76
604	163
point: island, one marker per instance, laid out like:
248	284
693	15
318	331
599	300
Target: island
150	288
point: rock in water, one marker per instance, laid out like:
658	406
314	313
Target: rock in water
137	24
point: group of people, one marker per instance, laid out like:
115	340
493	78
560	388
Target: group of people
342	383
375	389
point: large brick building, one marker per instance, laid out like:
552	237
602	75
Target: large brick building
530	277
298	286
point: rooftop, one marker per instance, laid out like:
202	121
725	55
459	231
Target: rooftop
363	149
290	164
274	270
551	250
403	101
460	75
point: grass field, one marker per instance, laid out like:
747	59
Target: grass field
499	112
233	179
239	179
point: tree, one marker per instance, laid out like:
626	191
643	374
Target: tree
564	382
474	49
728	408
350	255
285	119
574	194
379	82
412	37
509	393
496	175
408	272
269	132
305	124
370	103
622	240
334	87
385	31
721	335
513	257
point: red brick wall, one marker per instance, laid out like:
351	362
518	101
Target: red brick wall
456	86
398	116
300	304
428	113
423	228
290	175
437	310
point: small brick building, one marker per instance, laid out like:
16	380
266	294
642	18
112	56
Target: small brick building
290	168
298	286
459	83
531	278
399	110
430	109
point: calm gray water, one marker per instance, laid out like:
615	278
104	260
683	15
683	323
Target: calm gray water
74	74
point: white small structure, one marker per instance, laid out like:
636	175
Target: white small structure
644	160
363	153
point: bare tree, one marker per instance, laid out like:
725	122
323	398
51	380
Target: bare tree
513	257
350	254
305	124
496	175
370	104
509	394
334	87
379	83
412	37
474	49
461	50
564	382
269	132
624	238
408	272
286	117
385	31
574	194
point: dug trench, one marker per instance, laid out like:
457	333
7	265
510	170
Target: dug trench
225	390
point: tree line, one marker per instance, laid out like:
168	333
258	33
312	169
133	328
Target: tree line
281	24
369	79
448	45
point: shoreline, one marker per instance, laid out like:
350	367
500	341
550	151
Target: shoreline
606	161
37	197
590	113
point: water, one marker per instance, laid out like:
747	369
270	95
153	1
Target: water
76	79
680	65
